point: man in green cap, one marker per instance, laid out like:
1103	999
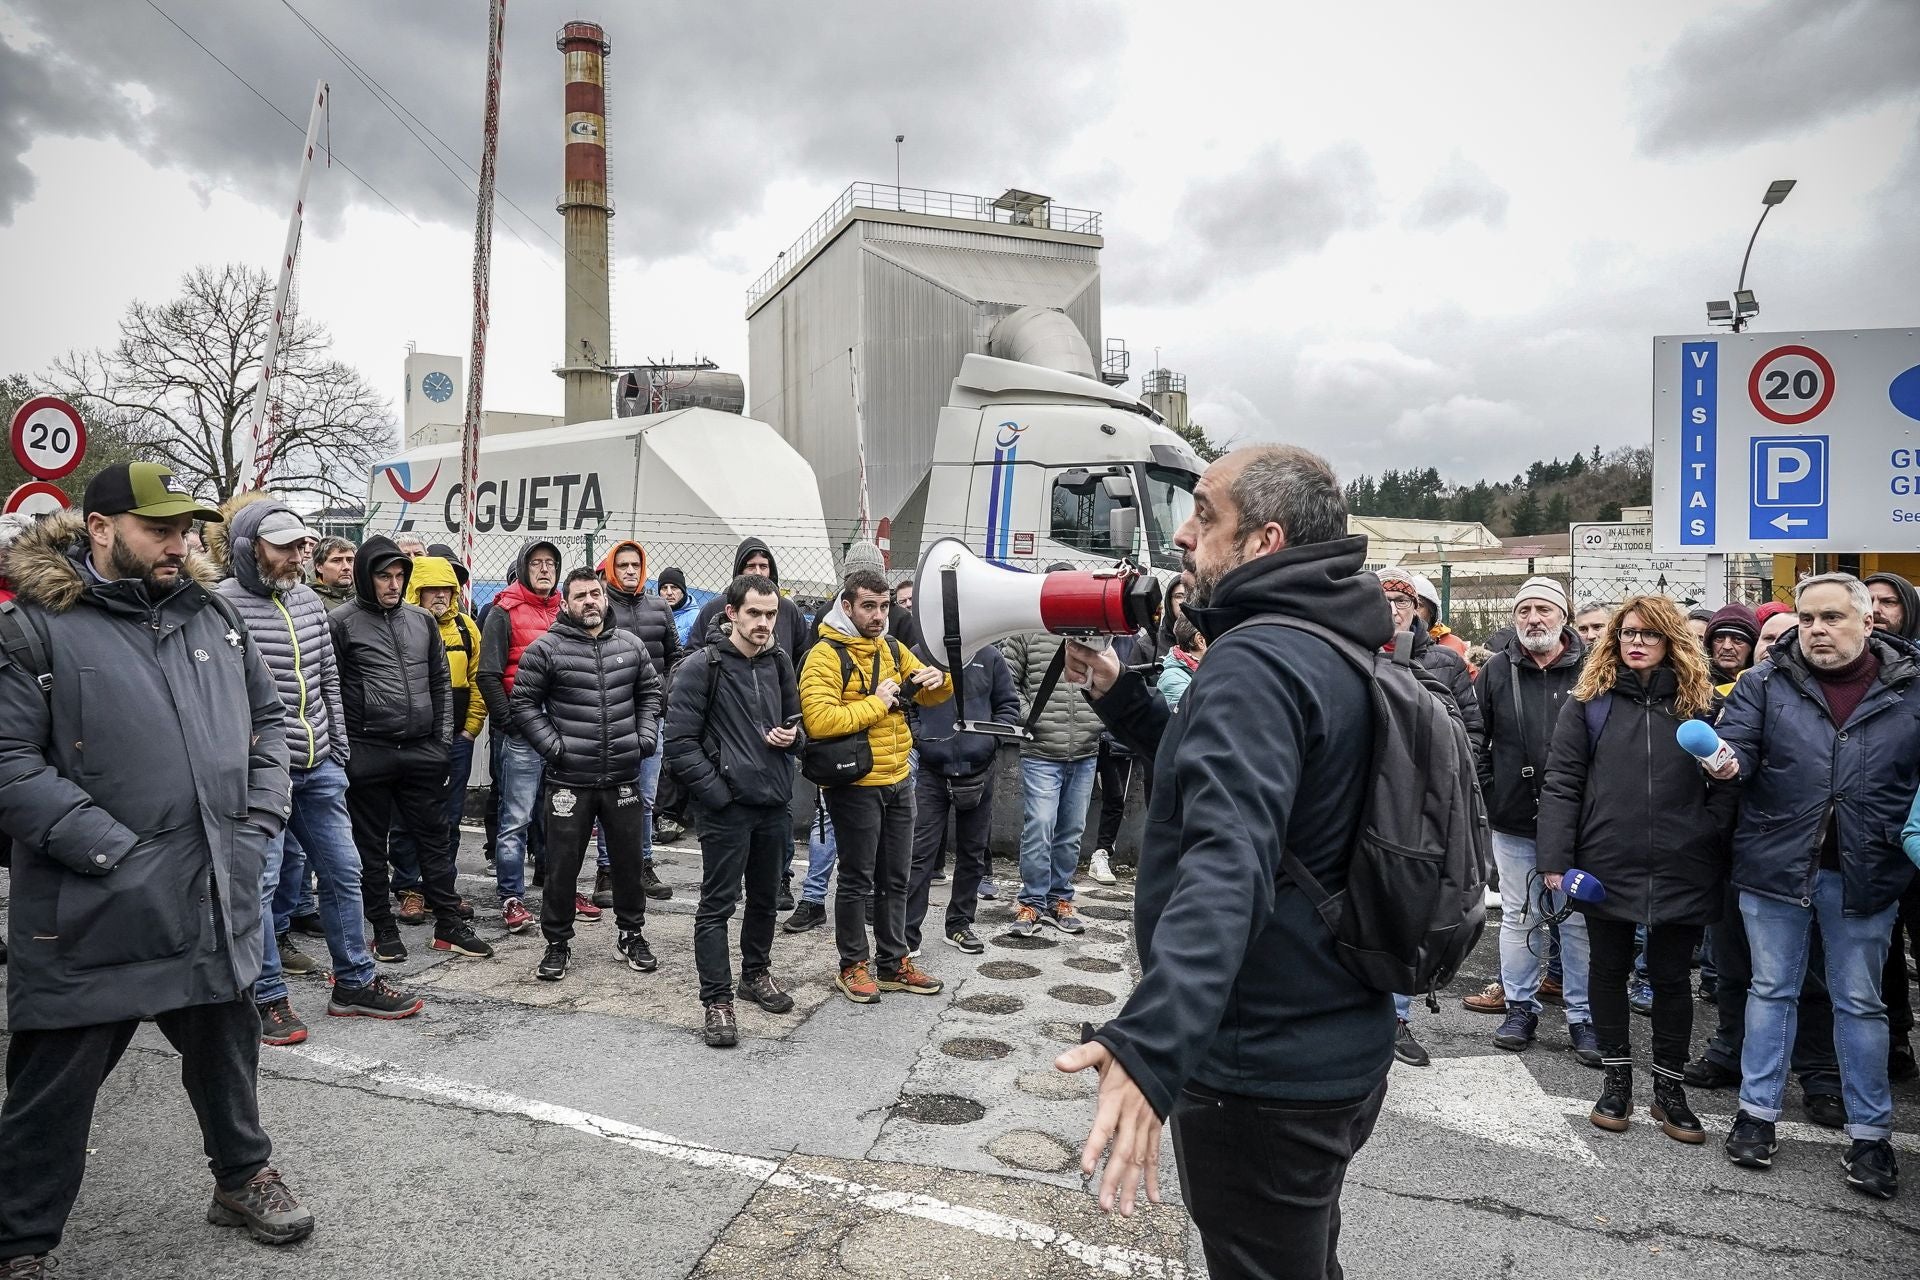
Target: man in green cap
143	774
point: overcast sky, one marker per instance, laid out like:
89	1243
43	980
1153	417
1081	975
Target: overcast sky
1404	234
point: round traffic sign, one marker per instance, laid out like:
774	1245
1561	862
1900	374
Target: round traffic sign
48	438
1791	385
38	498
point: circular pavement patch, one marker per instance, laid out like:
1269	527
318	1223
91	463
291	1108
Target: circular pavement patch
988	1002
1109	895
1030	1149
1020	942
1106	937
938	1108
1094	964
1072	994
1057	1086
1096	911
1007	969
976	1048
1064	1032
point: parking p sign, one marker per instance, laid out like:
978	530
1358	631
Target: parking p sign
1786	443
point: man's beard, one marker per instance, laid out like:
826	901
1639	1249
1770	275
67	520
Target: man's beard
284	583
128	565
589	619
1205	581
1540	644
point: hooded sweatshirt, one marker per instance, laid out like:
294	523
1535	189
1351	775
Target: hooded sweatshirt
640	612
459	633
518	616
790	629
1909	602
837	697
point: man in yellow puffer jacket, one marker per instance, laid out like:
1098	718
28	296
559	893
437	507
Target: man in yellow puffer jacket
435	587
852	683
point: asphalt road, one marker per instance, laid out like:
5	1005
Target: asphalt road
581	1129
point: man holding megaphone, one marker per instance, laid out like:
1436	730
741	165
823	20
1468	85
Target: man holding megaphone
1246	1031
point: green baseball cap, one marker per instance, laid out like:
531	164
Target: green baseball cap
143	489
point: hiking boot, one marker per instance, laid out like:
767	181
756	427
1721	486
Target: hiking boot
32	1266
967	940
265	1208
413	907
292	959
655	888
1491	998
1670	1108
1614	1109
1586	1044
1704	1073
603	888
584	911
632	944
765	992
308	926
514	914
1751	1143
987	891
1026	922
1640	996
722	1032
378	999
1100	868
856	984
1409	1050
1900	1062
279	1024
1825	1110
1063	917
784	902
1519	1029
387	946
461	940
667	831
1871	1168
553	965
912	979
805	916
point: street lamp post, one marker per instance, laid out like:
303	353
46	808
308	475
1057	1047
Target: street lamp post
1743	307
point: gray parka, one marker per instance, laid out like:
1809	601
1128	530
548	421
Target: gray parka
1067	729
140	796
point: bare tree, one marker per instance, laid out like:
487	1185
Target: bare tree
180	383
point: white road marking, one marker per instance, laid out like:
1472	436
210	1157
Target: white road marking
1486	1097
1110	1259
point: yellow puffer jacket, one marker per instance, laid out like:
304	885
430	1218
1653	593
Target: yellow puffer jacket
459	634
831	709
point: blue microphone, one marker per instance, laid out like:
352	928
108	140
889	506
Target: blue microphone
1697	739
1582	886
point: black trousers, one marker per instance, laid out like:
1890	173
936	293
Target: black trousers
742	844
1669	973
54	1077
932	807
571	813
1895	987
1115	772
1813	1056
874	826
404	784
1262	1179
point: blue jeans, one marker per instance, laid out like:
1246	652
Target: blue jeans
822	852
1856	950
518	783
1523	939
295	895
649	781
319	822
1055	794
1403	1008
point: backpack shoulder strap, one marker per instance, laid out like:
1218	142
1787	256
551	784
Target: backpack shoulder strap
21	640
1346	648
1596	713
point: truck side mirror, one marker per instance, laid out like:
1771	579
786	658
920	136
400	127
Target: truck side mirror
1119	487
1122	524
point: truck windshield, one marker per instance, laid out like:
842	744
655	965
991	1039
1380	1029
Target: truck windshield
1167	495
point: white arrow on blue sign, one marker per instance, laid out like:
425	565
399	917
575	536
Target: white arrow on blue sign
1789	488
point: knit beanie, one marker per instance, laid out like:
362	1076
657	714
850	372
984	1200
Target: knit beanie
1736	619
862	556
1541	588
1397	580
672	576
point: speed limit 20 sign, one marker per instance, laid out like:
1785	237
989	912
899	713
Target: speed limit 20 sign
48	437
1790	385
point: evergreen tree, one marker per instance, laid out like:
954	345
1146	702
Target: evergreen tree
1526	514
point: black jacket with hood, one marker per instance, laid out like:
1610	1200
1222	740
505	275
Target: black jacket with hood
722	705
394	679
641	612
1909	602
790	629
587	703
1240	988
1513	763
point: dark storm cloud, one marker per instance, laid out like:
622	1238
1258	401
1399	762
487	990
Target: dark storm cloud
1788	66
709	103
34	101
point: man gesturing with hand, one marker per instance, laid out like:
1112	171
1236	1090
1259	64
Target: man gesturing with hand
1246	1032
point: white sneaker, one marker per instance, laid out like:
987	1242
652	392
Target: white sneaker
1101	869
1492	899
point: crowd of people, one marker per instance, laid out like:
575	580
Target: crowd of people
307	712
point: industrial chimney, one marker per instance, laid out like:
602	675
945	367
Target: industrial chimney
586	209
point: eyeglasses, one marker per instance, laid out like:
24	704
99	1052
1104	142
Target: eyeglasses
1633	635
1399	601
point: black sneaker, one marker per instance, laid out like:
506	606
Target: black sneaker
633	945
722	1032
461	940
265	1208
785	901
1900	1060
805	916
1871	1168
32	1266
1640	996
1704	1073
378	999
553	965
967	940
1518	1031
1751	1143
603	888
387	947
1826	1110
1409	1050
656	888
279	1024
1586	1043
765	992
308	925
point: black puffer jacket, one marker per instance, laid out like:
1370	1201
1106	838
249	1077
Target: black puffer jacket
1634	810
394	680
587	703
723	703
1513	764
646	616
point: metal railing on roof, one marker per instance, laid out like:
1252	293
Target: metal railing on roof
944	204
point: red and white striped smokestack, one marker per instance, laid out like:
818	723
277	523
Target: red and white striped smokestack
586	209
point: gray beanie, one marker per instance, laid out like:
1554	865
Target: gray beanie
863	556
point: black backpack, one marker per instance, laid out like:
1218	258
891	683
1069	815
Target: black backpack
843	761
1415	900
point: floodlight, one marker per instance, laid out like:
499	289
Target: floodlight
1743	303
1777	191
1719	313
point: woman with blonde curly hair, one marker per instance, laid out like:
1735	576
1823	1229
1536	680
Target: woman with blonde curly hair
1624	803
